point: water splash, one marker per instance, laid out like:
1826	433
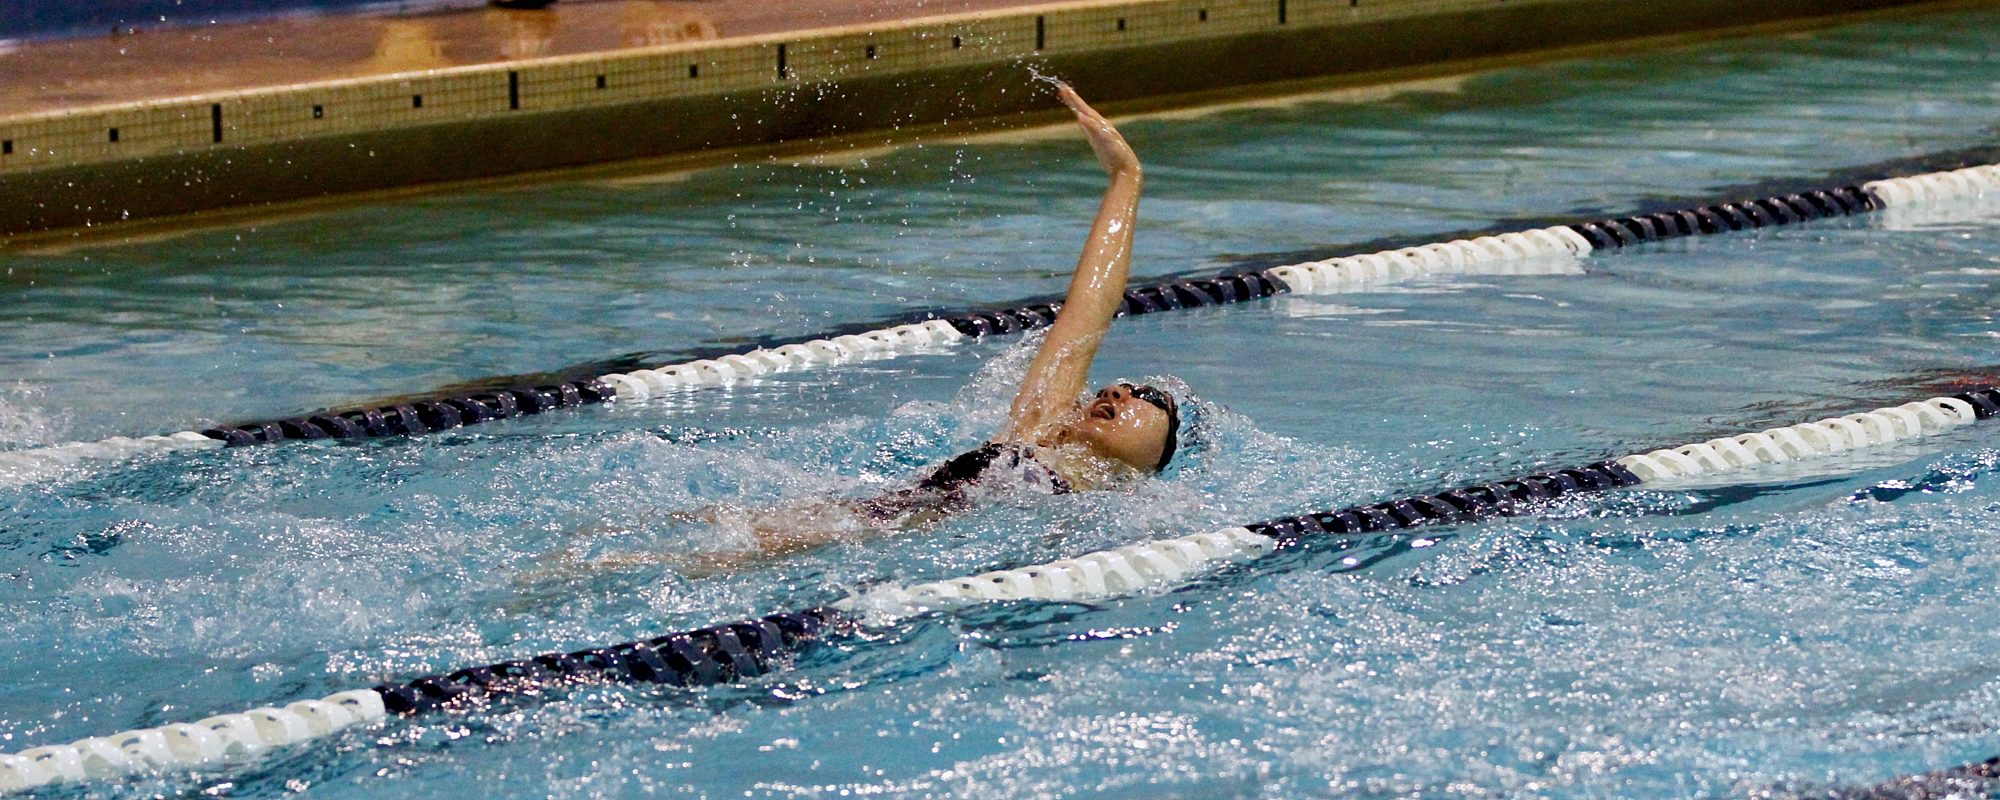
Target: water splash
1035	73
24	423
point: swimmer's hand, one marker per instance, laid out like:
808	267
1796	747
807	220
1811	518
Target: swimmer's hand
1112	151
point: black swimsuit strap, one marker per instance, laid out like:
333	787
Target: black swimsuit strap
963	468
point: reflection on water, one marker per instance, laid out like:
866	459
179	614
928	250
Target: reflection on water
1969	213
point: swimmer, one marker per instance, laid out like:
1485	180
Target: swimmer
1052	442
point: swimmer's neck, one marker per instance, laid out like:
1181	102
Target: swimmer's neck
1083	469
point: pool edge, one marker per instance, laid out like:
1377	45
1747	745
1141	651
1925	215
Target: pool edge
55	206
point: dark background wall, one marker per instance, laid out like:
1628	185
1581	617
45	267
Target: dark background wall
42	19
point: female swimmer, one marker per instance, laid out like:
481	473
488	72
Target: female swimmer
1053	443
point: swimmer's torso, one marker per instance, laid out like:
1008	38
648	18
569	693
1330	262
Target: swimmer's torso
989	471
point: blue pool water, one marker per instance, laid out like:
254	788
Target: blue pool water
1790	629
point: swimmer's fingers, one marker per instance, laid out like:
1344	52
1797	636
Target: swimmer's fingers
1111	149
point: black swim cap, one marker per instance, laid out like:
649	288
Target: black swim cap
1164	401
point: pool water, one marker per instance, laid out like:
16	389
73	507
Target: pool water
1790	629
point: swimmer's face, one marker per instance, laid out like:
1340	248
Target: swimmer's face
1118	426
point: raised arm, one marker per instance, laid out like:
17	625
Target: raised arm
1057	375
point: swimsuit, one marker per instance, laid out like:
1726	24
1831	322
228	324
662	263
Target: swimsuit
990	469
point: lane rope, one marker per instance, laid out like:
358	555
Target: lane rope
1550	250
738	651
710	656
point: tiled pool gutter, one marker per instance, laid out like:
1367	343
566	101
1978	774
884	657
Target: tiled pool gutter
97	166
